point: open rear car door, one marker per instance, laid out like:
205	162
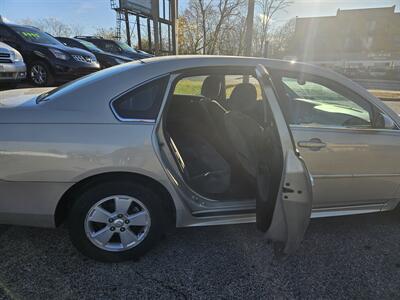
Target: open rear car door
284	208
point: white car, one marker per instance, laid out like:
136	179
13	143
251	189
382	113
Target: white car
12	66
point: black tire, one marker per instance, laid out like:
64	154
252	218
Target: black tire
77	215
49	78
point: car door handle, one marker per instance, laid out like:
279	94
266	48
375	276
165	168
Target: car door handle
313	144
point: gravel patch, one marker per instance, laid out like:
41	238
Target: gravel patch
346	257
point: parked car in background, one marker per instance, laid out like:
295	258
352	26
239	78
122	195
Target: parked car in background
12	66
48	60
195	141
116	47
106	59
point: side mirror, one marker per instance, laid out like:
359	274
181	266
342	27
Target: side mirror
301	81
384	122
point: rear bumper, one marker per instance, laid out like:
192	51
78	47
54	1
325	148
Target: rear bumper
12	72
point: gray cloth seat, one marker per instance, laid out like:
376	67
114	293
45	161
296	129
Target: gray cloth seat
259	152
204	169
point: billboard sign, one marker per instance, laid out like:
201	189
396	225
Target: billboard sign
141	6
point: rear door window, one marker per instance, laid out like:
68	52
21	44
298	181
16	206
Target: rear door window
71	43
111	47
189	86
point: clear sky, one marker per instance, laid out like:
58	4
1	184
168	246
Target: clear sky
97	13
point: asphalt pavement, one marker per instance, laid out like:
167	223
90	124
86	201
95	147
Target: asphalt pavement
342	257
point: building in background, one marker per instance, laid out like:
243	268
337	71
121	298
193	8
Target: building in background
365	42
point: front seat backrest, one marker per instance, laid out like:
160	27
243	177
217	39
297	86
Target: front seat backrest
244	132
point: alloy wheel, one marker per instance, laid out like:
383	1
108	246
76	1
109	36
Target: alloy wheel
39	74
117	223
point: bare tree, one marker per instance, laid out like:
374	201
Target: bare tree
204	10
282	37
205	22
107	33
189	34
77	29
226	10
218	26
231	40
267	10
54	26
249	27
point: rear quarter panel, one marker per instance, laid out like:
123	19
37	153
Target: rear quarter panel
39	162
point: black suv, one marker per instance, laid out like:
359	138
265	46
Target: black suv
105	59
48	60
115	47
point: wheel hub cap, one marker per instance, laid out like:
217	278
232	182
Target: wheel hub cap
118	223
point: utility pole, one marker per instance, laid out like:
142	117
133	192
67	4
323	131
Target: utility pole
156	14
128	31
174	14
139	32
248	41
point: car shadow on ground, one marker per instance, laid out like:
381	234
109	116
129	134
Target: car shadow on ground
343	257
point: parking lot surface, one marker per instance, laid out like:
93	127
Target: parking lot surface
345	257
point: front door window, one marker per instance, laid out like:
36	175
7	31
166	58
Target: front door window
316	103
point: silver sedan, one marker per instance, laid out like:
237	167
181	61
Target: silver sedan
125	153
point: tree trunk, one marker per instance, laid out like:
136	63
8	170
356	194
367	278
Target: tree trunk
249	28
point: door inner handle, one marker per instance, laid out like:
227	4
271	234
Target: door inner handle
313	144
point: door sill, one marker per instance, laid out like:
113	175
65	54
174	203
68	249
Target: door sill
225	212
346	210
316	212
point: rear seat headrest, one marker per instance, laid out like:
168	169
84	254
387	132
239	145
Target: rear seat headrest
212	87
243	97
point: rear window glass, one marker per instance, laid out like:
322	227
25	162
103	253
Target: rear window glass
143	102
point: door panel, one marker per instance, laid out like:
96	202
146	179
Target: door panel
293	207
356	166
293	203
337	132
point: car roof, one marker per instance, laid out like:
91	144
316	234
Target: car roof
19	26
67	38
93	38
100	88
